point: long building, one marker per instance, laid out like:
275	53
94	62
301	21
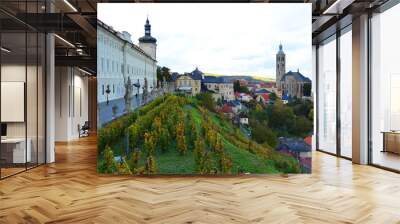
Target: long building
120	59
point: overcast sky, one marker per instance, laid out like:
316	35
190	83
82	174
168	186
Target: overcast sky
229	39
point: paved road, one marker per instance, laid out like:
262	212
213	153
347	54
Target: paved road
105	112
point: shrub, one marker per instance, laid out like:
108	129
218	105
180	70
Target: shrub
123	167
180	138
225	163
113	131
198	150
134	160
151	166
108	164
149	143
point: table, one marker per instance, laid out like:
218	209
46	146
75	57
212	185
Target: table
13	150
391	141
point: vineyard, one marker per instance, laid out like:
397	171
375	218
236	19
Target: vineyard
177	135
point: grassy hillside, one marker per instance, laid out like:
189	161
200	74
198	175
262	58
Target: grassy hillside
177	135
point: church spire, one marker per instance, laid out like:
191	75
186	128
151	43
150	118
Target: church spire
147	27
280	48
147	38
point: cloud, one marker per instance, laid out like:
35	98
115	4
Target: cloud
231	39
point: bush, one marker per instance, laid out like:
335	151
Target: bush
108	165
113	132
206	100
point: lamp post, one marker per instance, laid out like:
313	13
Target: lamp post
137	85
108	91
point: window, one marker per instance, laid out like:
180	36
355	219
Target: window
346	94
113	89
102	89
385	88
327	96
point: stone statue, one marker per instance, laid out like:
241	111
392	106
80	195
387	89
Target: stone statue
145	92
128	94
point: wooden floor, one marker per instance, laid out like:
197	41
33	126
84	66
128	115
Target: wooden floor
70	191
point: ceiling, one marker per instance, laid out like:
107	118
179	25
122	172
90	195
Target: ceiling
75	22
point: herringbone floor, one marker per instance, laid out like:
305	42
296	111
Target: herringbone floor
70	191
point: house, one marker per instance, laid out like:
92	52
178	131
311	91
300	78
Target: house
261	91
243	118
227	110
236	106
188	83
244	97
237	95
285	99
308	140
263	98
295	84
270	86
219	85
297	148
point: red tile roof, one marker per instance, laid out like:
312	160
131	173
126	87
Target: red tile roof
226	109
265	96
308	140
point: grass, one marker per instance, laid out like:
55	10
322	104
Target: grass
172	162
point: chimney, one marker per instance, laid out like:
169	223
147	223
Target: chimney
127	36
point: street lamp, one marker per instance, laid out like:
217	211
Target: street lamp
108	91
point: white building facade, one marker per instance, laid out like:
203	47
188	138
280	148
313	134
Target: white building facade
119	58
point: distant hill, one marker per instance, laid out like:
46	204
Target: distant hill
245	77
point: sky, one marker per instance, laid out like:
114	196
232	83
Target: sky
228	39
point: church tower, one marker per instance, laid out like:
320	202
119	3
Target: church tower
148	43
280	66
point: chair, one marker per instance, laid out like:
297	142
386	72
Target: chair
84	130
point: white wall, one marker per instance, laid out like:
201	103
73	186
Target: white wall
114	53
71	102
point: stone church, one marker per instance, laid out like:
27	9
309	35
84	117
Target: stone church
292	84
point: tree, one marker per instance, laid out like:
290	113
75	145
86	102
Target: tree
163	73
261	133
307	89
301	107
164	139
151	166
280	117
239	88
211	138
149	143
225	163
180	138
218	144
157	125
134	160
206	166
198	150
302	127
207	101
109	162
236	86
273	96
